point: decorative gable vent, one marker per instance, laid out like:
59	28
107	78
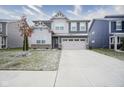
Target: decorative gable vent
41	24
59	15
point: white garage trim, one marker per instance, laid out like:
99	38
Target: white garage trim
73	43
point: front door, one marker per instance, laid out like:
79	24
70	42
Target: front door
55	42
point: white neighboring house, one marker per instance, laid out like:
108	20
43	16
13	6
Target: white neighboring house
9	34
3	34
60	32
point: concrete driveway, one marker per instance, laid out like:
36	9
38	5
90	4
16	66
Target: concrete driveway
78	68
85	68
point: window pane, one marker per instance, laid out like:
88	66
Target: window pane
38	41
73	26
43	41
57	28
76	39
64	39
61	28
70	39
118	25
82	39
83	26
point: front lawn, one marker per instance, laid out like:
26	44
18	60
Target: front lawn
43	60
112	53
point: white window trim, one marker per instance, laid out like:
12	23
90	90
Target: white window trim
110	31
119	25
114	41
59	27
110	27
72	25
84	25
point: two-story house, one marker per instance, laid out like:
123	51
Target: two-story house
60	32
3	34
9	34
107	32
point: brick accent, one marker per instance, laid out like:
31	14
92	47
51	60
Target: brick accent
40	46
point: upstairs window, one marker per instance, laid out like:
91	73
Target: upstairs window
118	25
0	27
73	26
82	26
59	27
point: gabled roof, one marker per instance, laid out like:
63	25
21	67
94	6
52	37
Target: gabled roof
7	20
93	21
43	25
42	21
78	20
114	16
59	15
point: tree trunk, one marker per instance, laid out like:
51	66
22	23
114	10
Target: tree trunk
25	43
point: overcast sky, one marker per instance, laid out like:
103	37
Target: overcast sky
47	11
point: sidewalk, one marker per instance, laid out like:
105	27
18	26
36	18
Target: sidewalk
27	78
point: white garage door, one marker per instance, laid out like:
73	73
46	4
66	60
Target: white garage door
73	43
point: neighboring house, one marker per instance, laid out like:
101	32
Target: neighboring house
3	34
60	32
9	34
107	32
14	39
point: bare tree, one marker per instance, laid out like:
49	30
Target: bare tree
26	32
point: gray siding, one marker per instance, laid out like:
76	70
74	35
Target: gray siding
14	38
101	34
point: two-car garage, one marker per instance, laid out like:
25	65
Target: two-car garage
73	43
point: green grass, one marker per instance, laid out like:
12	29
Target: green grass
112	53
45	60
